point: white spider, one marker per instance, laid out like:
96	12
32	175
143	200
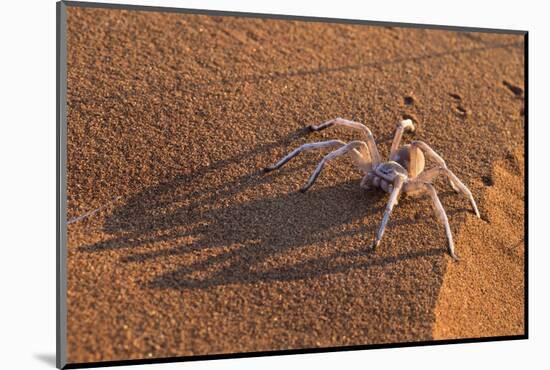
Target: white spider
403	172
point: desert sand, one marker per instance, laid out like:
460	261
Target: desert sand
171	118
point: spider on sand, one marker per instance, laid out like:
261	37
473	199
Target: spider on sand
404	172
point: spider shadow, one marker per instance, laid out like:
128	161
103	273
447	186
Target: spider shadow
236	238
239	240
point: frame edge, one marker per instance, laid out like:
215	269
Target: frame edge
61	185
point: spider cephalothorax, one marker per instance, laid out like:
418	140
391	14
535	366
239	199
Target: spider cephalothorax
404	172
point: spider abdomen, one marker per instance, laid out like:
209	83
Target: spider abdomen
408	154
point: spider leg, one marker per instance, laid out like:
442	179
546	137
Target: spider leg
430	153
371	144
442	216
305	147
401	127
397	185
429	175
352	147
